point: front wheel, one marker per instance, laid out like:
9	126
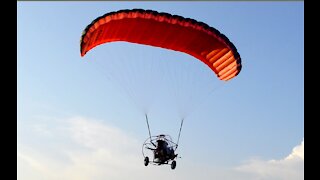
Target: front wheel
173	165
146	161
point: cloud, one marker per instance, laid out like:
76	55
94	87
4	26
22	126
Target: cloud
84	149
297	152
94	134
290	167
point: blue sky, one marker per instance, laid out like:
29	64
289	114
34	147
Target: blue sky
76	119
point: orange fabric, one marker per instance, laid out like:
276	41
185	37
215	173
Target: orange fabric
166	31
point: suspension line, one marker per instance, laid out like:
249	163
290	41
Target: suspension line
180	132
148	126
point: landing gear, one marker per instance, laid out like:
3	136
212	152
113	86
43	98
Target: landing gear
146	161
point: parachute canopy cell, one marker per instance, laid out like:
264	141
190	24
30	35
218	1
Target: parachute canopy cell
167	31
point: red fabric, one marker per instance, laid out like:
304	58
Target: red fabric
166	31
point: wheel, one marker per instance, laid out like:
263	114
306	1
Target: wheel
146	161
173	165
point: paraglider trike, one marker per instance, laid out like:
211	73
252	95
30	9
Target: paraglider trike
162	148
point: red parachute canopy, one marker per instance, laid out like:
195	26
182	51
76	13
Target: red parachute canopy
166	31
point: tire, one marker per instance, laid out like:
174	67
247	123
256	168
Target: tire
146	161
173	165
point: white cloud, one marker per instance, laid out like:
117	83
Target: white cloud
288	168
297	152
95	134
